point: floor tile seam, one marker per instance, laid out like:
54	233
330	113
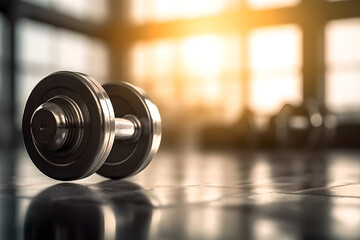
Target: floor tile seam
329	187
321	195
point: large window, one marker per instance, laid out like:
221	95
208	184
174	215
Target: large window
191	73
88	10
275	65
203	75
343	65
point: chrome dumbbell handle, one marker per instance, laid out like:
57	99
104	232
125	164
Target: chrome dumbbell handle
51	124
127	128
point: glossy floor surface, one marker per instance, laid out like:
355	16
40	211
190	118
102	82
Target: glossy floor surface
190	194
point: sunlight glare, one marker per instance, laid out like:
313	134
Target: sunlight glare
164	10
258	4
270	94
202	58
274	68
202	55
200	71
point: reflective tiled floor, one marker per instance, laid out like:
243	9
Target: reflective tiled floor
190	194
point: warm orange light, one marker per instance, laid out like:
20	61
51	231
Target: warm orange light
205	70
202	61
165	10
202	55
271	3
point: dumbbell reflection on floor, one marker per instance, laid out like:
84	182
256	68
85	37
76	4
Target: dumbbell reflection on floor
72	127
72	211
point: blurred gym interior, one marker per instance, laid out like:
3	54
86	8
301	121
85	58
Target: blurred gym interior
260	108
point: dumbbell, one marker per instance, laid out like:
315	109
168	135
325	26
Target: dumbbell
73	127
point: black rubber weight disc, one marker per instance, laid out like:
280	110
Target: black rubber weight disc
97	135
128	158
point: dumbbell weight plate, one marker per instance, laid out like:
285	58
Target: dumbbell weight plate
129	157
95	136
